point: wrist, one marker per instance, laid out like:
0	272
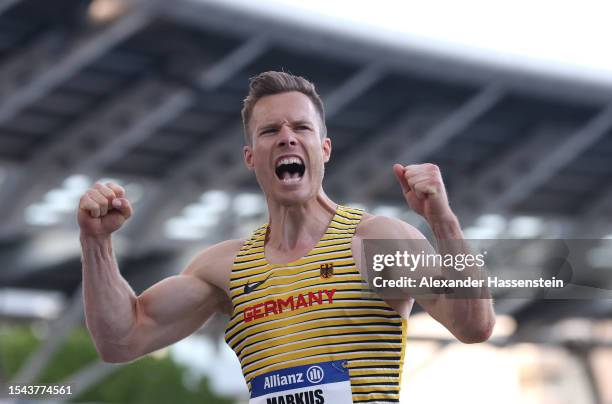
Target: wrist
95	239
96	249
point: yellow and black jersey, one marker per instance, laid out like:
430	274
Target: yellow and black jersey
313	310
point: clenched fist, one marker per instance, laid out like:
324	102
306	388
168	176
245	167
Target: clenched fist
424	190
103	209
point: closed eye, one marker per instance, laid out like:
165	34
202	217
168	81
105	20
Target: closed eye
267	131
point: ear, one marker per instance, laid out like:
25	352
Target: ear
327	147
248	157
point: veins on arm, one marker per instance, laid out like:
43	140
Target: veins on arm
469	320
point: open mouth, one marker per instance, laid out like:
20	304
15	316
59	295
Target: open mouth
290	169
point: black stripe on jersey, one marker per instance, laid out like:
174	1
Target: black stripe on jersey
279	274
374	366
329	284
395	338
323	309
378	400
326	341
332	336
345	261
251	253
349	264
346	253
247	374
242	262
316	327
371	375
349	229
355	217
374	383
335	243
258	270
319	344
342	226
337	236
393	318
263	257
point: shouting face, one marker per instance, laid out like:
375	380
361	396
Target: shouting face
287	151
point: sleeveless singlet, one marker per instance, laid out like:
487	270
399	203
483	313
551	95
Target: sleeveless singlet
313	316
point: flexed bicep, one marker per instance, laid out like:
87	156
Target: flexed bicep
173	309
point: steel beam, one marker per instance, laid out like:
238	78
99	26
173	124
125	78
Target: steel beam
120	145
595	219
479	195
152	213
130	120
413	60
89	376
583	355
40	69
174	104
51	164
231	140
224	177
230	65
372	153
352	88
146	227
59	331
7	4
549	163
438	136
370	150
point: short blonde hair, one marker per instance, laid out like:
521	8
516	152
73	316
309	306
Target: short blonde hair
270	83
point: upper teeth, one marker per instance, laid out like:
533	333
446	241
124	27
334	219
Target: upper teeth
289	160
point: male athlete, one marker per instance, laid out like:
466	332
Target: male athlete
303	323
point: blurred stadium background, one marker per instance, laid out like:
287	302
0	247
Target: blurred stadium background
148	93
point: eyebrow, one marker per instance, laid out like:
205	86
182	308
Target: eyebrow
302	122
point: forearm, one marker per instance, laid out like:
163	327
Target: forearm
470	318
110	303
446	228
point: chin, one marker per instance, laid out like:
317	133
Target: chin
293	197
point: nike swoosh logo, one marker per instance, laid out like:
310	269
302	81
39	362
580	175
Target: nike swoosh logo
248	288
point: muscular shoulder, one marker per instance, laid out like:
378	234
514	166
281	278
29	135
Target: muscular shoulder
383	227
214	263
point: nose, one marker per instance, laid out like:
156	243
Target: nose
286	137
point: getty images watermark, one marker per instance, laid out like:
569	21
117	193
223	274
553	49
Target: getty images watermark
549	269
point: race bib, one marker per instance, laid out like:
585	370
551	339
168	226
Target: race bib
319	383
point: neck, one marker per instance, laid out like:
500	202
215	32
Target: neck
299	226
